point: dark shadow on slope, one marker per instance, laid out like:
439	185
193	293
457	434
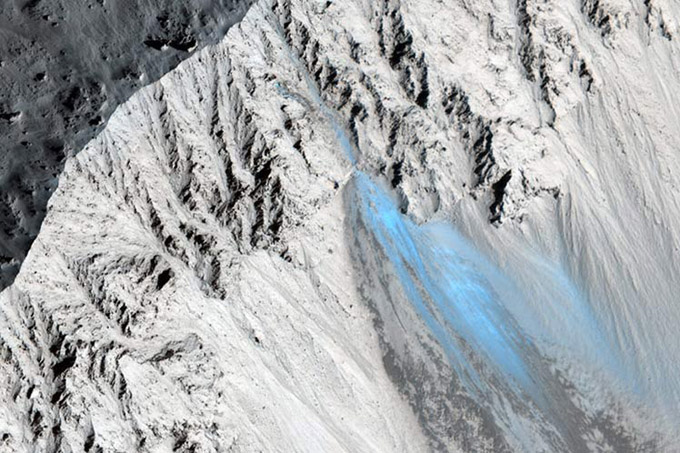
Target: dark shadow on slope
64	68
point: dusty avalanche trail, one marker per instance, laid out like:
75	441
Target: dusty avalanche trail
368	226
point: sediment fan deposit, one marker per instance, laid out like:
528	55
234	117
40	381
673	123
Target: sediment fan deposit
368	226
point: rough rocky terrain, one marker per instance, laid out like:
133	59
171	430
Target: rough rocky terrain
369	226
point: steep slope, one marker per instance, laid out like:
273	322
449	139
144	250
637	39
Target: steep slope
539	119
259	252
149	315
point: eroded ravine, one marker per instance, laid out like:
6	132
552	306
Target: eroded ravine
460	298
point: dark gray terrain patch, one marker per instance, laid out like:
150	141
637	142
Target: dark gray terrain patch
65	66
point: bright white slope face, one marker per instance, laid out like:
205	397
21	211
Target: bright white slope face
369	226
192	286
